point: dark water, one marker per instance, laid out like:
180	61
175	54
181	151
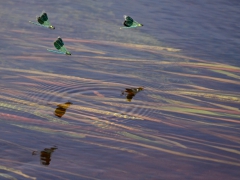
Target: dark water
85	116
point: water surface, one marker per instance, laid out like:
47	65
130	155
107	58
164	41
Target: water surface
65	117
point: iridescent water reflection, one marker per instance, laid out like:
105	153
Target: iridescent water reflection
183	125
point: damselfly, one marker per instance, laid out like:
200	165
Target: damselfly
130	23
43	21
59	45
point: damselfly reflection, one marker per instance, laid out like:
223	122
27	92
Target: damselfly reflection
43	21
131	92
61	109
59	45
130	23
45	155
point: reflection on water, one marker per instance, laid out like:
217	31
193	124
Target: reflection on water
131	92
61	109
185	124
45	155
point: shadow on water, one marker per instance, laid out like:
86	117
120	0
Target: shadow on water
45	155
61	109
131	92
184	124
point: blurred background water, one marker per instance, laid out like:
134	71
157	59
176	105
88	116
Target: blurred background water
70	117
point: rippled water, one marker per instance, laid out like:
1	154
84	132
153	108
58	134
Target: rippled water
85	116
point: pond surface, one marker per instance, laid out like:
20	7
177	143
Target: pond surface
157	102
